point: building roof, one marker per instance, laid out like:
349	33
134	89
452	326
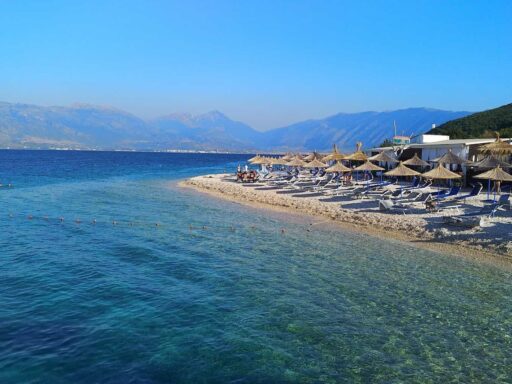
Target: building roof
442	143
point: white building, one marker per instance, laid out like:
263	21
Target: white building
431	147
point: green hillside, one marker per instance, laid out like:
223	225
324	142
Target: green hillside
481	124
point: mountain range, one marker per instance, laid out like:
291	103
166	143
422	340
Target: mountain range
83	126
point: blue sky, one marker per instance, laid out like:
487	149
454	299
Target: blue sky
267	63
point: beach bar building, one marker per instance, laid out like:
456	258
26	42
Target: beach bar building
431	147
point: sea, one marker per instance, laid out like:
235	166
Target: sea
112	273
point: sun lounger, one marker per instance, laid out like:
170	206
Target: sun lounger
391	206
504	201
454	191
475	191
473	219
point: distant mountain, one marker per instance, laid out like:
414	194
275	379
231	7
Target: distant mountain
209	130
86	126
481	124
76	126
345	129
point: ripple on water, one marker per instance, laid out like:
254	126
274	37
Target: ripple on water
145	304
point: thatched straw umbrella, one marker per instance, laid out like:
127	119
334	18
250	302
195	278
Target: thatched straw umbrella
450	158
335	155
383	157
261	160
367	166
357	156
279	161
491	162
499	147
441	173
338	167
312	156
287	157
315	164
402	171
415	161
296	162
495	174
254	158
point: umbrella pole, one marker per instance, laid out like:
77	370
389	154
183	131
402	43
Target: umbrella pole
488	188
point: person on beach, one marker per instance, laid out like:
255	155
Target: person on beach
497	187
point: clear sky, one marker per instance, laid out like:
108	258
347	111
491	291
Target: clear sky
266	62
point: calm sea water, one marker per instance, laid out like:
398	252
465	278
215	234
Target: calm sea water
237	301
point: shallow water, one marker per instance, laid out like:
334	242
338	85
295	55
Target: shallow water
216	292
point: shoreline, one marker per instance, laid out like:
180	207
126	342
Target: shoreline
403	228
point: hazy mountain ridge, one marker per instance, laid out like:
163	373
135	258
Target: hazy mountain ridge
87	126
346	129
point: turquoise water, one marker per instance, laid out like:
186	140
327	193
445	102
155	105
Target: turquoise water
216	293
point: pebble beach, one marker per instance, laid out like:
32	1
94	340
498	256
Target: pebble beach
492	240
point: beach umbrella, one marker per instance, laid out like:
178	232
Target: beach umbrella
279	161
287	157
296	162
491	162
334	155
367	166
254	158
383	157
441	173
338	167
260	160
402	171
495	174
499	147
315	164
415	161
450	158
358	155
312	156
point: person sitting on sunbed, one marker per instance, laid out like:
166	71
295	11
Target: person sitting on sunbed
430	205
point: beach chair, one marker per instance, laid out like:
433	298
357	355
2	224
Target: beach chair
442	192
390	206
454	191
355	193
473	219
475	191
504	201
415	183
409	196
422	198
